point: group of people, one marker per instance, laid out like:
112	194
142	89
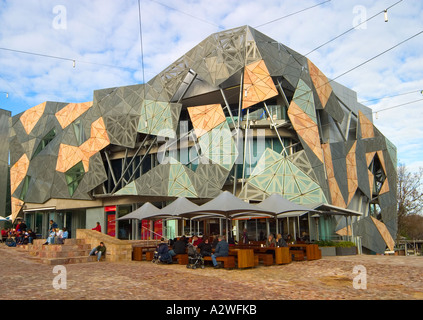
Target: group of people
205	248
56	235
20	235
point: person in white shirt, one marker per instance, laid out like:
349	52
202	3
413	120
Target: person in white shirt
59	236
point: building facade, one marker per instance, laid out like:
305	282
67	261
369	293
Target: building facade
238	112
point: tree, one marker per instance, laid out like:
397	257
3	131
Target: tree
409	199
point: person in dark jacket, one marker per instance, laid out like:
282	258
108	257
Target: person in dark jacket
222	250
163	252
98	251
205	248
179	247
280	241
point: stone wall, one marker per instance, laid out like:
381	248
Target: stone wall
117	250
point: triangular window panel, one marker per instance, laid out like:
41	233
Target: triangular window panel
74	176
44	142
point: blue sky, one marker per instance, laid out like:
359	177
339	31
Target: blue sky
103	37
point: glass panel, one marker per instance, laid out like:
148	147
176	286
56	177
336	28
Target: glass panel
44	142
79	132
25	186
124	226
74	176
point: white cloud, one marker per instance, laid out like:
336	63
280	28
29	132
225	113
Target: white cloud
106	32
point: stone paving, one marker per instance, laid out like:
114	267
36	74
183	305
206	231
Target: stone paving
331	278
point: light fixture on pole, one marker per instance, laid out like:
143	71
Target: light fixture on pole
386	15
73	62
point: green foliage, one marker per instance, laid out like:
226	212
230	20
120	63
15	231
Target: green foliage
345	244
325	243
340	244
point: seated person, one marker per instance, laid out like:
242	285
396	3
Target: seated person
58	236
270	242
221	250
205	248
31	236
290	239
280	241
65	234
163	252
50	239
196	241
179	247
25	239
98	251
10	242
4	233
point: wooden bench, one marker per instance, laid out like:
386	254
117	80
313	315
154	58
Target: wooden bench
182	258
228	262
282	255
297	255
244	257
149	255
267	258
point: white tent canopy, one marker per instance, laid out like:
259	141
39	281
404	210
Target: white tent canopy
146	211
282	207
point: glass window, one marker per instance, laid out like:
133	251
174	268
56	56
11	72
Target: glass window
44	142
25	186
79	132
74	176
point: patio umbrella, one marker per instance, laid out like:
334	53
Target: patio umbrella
183	208
283	208
146	211
229	206
277	204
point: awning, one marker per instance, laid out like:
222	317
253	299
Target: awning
182	208
282	207
146	211
328	209
230	206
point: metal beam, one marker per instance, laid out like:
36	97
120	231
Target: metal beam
130	163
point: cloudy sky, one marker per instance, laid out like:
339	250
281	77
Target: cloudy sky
103	37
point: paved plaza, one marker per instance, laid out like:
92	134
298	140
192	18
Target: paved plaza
331	278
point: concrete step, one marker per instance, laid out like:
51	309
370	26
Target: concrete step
68	260
70	252
60	247
63	254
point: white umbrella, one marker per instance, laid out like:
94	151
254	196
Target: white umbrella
230	206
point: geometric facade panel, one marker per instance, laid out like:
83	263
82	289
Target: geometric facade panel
321	83
159	118
219	147
276	174
306	128
30	117
258	84
71	112
205	118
